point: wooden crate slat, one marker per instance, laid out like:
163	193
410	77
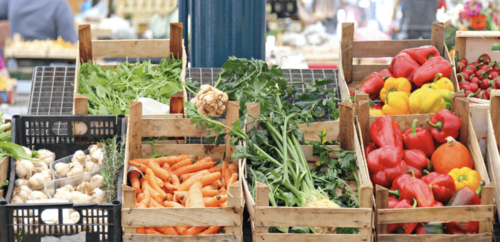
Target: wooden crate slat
414	215
311	133
130	48
172	128
384	48
313	217
361	71
268	237
482	237
178	149
178	238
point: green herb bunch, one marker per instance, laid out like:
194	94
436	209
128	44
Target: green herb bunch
114	155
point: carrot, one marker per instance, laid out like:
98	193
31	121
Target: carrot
159	172
139	198
138	165
192	168
227	177
208	192
171	160
209	187
154	194
169	197
211	202
232	168
195	196
141	205
170	187
215	185
224	204
219	183
145	201
222	191
206	159
182	163
187	184
169	204
150	176
151	231
167	230
183	200
155	204
186	176
178	194
224	166
160	182
195	230
175	180
233	179
140	230
215	168
181	229
211	230
223	199
134	176
210	178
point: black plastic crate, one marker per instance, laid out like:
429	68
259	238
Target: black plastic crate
100	222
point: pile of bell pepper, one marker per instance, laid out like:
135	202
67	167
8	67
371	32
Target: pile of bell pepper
400	162
417	81
478	78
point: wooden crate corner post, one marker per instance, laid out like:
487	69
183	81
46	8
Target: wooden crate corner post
176	44
495	113
346	50
261	200
346	122
437	37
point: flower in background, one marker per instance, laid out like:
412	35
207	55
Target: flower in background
473	8
464	15
478	22
495	19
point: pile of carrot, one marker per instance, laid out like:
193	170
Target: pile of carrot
183	181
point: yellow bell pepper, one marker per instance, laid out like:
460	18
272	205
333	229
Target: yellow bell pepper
440	83
465	177
426	101
446	95
376	112
395	84
396	103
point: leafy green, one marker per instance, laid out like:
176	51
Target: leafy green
109	91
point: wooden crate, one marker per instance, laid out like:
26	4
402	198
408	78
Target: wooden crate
230	216
493	139
89	49
483	213
263	216
4	173
350	74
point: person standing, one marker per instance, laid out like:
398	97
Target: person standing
418	17
39	19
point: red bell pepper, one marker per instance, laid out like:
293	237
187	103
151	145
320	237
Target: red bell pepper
386	132
482	73
402	228
370	147
422	54
419	138
474	79
427	72
399	183
469	70
429	228
377	106
442	186
418	189
416	161
385	165
385	72
496	66
464	196
462	227
373	84
492	74
462	76
443	124
403	65
484	58
485	83
437	204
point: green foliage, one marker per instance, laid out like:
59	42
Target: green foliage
110	91
114	154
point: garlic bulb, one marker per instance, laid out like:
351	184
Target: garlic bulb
92	149
62	169
82	198
75	193
85	188
22	192
97	181
79	157
63	194
36	180
91	166
97	156
28	151
74	216
24	168
37	195
75	170
40	166
46	156
47	175
18	199
21	182
98	196
69	188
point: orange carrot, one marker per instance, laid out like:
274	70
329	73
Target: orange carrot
182	163
150	176
140	230
211	230
145	201
223	198
186	176
169	204
233	179
170	187
181	229
169	197
160	182
209	187
175	180
211	202
159	172
232	168
167	230
215	168
171	160
139	198
178	194
222	191
195	230
155	204
138	165
134	176
219	183
187	184
224	166
151	231
192	168
227	177
224	204
210	178
154	194
195	196
208	193
183	200
206	159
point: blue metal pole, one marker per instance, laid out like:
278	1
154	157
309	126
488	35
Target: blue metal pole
223	28
183	18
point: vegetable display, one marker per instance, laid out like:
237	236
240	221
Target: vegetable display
417	81
109	91
477	77
183	181
414	180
